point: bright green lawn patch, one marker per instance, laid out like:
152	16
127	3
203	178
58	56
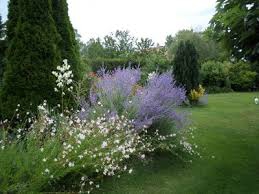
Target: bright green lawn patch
227	128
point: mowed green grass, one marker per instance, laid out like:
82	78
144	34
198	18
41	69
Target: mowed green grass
228	129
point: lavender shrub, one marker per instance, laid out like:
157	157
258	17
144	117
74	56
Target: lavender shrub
118	91
159	100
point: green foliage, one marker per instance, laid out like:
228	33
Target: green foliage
13	17
154	61
68	46
206	47
226	76
242	77
93	49
186	67
31	56
2	28
119	44
144	44
236	25
215	73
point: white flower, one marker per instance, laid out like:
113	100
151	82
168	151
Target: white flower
130	171
256	100
65	61
249	6
40	107
71	164
44	160
104	144
151	75
47	170
117	141
81	136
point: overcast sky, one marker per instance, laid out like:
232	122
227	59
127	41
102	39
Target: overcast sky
143	18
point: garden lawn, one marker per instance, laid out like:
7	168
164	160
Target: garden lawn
228	134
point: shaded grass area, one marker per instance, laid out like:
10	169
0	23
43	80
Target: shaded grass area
228	135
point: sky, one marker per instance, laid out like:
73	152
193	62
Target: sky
153	19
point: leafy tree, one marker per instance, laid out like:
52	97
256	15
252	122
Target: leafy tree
32	55
120	44
68	44
80	43
110	46
94	49
125	42
186	67
144	44
206	48
236	25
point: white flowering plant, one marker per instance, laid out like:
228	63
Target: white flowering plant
64	80
70	154
65	151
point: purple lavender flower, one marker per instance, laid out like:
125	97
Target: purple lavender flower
159	99
115	87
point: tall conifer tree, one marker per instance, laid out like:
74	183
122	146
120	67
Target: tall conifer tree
2	48
31	57
13	15
68	44
186	67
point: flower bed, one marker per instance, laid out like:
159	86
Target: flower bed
74	150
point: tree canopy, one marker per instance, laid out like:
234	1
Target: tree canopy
236	25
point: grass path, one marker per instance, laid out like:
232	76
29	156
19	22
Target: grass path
227	128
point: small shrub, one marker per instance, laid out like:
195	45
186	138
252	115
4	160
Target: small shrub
196	94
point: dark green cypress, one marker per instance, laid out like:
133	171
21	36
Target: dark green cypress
186	67
13	15
2	48
68	44
32	55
